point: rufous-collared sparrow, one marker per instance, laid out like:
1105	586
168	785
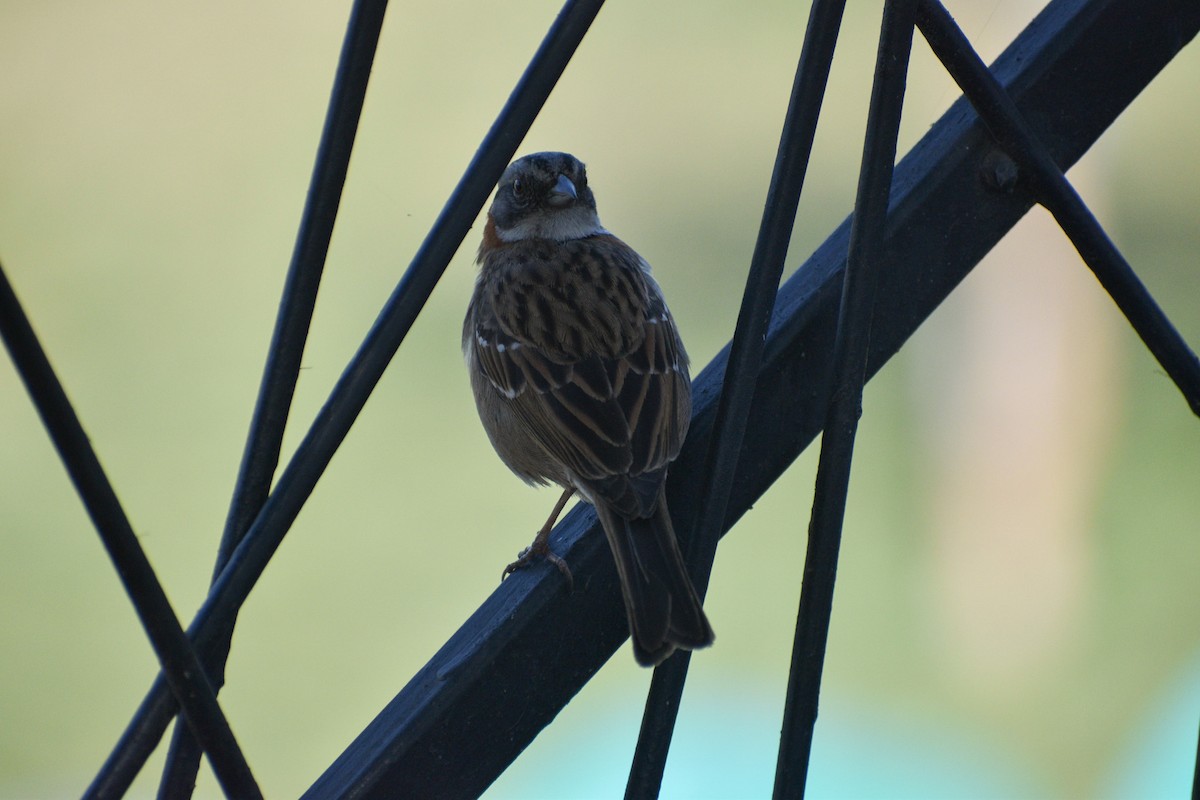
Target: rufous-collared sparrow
581	380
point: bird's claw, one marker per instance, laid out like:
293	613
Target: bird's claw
540	548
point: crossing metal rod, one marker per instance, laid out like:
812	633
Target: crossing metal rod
260	457
181	668
745	362
358	380
1051	188
864	257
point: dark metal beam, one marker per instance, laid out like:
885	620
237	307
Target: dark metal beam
451	730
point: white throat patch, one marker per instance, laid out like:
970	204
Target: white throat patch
559	226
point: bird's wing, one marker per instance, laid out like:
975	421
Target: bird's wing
579	341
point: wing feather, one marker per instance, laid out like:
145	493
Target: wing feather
582	348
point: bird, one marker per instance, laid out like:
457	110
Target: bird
581	380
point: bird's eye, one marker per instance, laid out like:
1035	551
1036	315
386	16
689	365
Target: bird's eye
520	191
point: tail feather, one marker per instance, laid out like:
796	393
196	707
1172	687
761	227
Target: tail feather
662	605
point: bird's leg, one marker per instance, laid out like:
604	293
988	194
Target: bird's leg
541	544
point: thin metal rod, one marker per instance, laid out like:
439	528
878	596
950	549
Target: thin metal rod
1054	191
745	361
359	378
260	457
1196	771
845	400
179	663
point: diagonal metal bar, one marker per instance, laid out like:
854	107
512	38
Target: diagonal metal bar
180	666
359	378
745	361
265	439
1196	771
449	732
1054	191
863	264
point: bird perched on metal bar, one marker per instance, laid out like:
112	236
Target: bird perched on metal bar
581	380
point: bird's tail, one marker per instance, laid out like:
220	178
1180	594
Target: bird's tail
664	610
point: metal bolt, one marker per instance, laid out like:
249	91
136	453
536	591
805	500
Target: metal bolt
999	172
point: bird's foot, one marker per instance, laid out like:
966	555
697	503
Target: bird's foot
540	548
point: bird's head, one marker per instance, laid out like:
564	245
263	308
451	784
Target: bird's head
544	196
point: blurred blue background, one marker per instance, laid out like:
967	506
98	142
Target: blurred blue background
1017	612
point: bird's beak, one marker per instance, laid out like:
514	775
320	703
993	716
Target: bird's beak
563	194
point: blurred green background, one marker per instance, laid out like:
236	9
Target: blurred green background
1017	612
